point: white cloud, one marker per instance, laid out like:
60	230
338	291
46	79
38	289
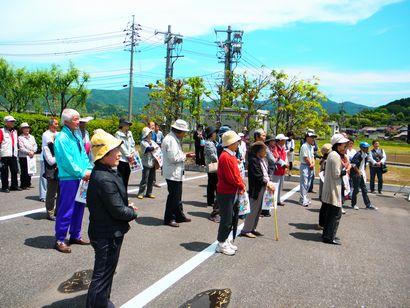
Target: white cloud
35	19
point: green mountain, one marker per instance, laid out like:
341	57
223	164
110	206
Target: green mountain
397	106
350	108
115	102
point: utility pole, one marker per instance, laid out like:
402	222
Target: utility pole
230	52
133	32
173	41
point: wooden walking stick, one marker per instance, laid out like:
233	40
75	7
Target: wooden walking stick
276	223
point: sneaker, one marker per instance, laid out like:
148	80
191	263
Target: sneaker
380	193
231	245
372	207
355	207
157	185
343	211
318	227
140	197
225	249
150	196
372	192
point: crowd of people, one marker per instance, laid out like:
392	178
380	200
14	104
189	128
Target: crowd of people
70	157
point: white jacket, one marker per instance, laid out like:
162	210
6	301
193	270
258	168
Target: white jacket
174	158
27	144
6	146
128	145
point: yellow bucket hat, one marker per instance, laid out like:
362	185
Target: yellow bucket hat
103	142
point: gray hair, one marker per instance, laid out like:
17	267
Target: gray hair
67	115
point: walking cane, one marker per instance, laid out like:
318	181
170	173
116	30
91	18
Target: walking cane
276	223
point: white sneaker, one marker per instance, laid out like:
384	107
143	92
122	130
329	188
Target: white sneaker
343	211
356	207
225	249
231	245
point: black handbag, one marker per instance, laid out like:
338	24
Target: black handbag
384	168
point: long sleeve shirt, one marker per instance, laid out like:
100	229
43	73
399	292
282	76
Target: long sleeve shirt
376	156
26	144
229	176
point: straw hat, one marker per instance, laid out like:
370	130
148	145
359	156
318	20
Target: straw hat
230	137
145	132
180	125
24	124
326	148
103	142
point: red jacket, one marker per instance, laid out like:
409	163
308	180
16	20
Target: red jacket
280	154
229	176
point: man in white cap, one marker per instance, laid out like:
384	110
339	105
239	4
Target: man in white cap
173	171
8	155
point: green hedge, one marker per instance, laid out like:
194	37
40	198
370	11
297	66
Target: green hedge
39	124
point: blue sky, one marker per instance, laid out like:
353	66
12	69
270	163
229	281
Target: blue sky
358	49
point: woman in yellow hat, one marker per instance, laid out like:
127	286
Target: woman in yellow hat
107	201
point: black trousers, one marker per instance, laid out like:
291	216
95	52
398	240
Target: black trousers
9	163
358	182
124	170
332	219
173	208
199	155
25	178
211	188
226	203
322	214
379	172
107	253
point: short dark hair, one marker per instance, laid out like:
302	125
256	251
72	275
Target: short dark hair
374	141
51	121
257	146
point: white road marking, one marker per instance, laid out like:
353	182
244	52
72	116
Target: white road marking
168	280
41	210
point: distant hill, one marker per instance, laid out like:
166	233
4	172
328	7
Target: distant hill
116	101
106	102
349	107
397	106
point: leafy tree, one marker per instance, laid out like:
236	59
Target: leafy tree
16	88
250	97
195	90
296	103
167	102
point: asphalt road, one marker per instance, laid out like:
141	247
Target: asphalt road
370	269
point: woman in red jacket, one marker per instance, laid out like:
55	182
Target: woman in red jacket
229	184
281	164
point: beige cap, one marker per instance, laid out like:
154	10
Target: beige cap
326	148
338	138
103	142
24	124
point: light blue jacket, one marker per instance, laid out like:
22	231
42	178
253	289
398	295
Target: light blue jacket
71	162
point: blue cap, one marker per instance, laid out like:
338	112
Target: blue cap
223	129
364	145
